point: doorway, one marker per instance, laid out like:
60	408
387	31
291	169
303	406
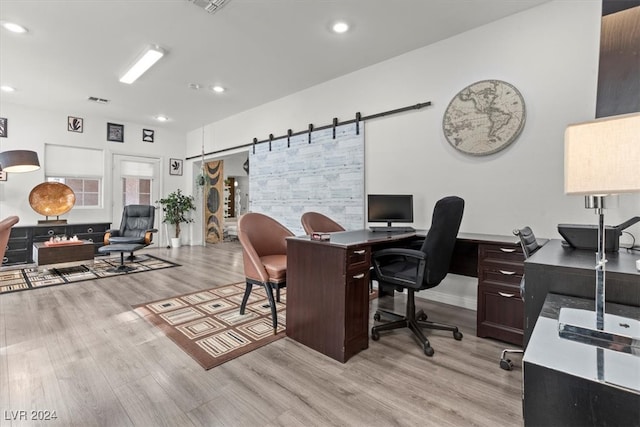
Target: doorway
135	182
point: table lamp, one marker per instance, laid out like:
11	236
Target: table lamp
601	158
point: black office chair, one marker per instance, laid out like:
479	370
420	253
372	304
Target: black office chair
529	245
421	269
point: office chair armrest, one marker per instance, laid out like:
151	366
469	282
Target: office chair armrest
418	256
406	252
148	236
109	234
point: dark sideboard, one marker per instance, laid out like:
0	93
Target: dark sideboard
22	238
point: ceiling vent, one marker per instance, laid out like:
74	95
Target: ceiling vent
211	6
98	100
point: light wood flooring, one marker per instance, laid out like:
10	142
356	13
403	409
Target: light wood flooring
81	351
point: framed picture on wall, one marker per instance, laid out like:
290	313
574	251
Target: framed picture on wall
75	124
175	166
147	135
115	132
3	127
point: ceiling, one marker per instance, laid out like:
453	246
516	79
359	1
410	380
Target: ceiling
260	50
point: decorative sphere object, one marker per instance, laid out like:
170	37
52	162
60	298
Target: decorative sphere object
52	198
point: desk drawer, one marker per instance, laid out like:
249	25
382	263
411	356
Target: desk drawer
500	313
497	253
358	259
505	273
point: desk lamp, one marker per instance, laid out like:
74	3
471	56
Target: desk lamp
601	158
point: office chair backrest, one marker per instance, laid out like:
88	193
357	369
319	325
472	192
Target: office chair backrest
136	219
441	238
314	222
527	241
5	231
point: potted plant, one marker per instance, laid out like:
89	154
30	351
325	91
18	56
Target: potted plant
175	207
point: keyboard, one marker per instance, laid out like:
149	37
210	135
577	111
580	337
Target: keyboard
393	229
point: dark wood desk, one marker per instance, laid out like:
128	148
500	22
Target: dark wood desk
328	282
566	271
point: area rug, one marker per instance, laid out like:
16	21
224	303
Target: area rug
207	324
32	278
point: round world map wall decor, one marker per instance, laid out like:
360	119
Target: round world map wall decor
484	117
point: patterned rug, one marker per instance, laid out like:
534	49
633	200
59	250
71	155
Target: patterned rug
31	278
208	326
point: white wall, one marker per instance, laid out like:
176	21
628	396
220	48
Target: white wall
550	53
31	129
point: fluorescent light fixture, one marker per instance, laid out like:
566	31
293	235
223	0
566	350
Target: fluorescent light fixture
14	28
150	56
218	89
162	118
7	89
340	27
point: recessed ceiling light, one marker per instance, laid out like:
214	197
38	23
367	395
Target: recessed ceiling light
194	86
340	27
13	27
7	89
162	118
218	89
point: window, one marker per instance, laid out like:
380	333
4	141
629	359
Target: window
87	190
82	169
136	191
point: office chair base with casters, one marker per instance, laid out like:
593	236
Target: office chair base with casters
415	322
505	363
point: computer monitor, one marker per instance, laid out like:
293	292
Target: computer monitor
390	208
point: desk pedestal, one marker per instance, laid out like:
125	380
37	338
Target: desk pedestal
328	297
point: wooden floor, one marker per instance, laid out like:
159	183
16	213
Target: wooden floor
81	351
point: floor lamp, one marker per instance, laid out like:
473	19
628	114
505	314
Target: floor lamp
19	161
601	158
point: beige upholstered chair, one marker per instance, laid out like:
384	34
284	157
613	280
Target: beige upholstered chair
5	231
264	252
314	222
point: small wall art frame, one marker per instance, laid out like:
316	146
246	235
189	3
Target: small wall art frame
175	166
115	132
3	127
75	124
148	135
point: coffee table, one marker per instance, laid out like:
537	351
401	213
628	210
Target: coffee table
63	255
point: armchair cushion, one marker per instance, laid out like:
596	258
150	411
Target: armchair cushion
276	266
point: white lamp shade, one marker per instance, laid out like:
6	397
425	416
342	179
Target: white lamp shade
603	156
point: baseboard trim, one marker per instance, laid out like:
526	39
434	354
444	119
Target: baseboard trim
445	298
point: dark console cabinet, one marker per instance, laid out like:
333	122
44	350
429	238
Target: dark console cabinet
20	245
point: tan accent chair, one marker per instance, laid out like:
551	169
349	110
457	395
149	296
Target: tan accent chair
5	231
264	252
314	222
